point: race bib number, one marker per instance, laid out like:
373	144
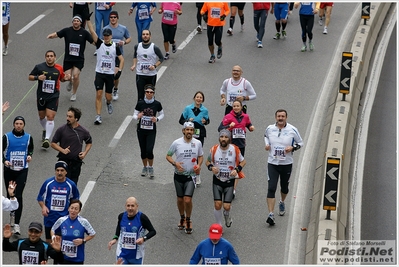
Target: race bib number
238	133
30	257
168	15
143	14
58	202
224	175
48	86
69	249
106	65
196	133
212	261
146	123
17	162
74	49
101	6
145	68
215	12
232	98
279	152
129	240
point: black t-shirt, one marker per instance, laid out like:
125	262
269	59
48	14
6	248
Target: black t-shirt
75	43
149	110
49	88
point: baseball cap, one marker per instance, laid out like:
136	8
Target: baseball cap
188	124
215	231
36	225
61	164
225	132
107	32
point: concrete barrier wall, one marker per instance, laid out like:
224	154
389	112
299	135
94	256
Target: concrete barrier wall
339	135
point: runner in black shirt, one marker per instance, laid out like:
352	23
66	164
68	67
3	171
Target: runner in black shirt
145	112
75	43
48	74
32	250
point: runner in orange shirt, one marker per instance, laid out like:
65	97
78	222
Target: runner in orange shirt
217	12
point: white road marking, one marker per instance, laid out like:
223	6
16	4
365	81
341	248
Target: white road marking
188	39
161	71
30	24
86	192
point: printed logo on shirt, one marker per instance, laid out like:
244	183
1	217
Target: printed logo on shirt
76	232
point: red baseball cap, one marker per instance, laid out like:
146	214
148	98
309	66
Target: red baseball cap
215	231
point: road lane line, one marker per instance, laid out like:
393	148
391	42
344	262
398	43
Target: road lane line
86	192
188	39
30	24
121	130
161	72
33	22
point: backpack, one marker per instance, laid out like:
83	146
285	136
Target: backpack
213	151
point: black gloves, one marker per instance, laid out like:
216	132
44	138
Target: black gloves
88	16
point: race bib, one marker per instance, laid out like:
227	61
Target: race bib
74	49
101	5
279	152
129	240
106	64
168	15
17	162
238	133
146	123
212	261
69	249
224	175
143	14
232	98
30	257
48	86
145	68
58	202
215	12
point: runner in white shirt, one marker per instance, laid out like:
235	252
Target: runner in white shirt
281	140
236	87
189	156
222	162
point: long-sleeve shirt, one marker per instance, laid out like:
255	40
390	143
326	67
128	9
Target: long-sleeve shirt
215	254
9	204
215	11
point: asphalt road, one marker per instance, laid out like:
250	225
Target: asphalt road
282	76
379	199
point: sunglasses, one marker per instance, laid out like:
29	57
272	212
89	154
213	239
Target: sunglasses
112	17
150	92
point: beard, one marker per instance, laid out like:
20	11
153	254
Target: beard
224	144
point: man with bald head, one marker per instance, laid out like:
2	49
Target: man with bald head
236	88
132	230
